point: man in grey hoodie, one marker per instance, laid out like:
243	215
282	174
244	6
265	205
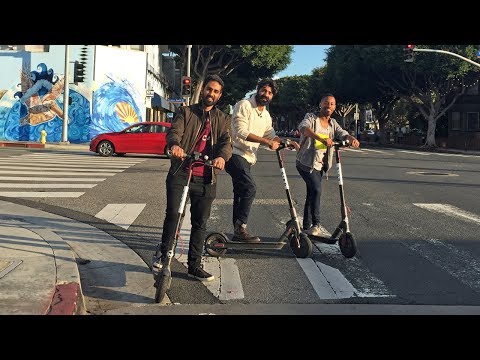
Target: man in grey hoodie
318	131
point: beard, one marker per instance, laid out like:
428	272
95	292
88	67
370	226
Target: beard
261	100
209	101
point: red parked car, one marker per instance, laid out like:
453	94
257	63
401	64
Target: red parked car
142	138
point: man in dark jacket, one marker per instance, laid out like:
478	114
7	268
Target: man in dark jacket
201	128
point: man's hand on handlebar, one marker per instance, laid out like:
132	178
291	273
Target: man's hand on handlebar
219	163
293	145
177	152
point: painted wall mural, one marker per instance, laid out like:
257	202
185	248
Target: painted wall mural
36	104
115	106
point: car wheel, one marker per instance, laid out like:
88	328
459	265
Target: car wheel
105	148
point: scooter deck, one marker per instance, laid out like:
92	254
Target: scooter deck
254	245
323	239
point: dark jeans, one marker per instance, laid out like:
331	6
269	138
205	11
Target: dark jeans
311	209
244	188
201	197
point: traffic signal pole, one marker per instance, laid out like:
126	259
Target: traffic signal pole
65	95
448	53
189	51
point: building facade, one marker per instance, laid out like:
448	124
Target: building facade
119	85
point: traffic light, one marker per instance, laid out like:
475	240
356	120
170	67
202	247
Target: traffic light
78	72
186	86
408	53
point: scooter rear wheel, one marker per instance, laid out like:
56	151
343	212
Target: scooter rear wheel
304	248
162	283
215	244
347	245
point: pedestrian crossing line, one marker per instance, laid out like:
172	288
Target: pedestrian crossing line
450	211
457	262
122	215
41	168
415	152
64	164
33	178
328	281
59	173
46	186
227	284
40	194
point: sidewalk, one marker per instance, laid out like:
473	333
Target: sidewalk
43	256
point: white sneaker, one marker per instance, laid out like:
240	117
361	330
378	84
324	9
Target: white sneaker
314	231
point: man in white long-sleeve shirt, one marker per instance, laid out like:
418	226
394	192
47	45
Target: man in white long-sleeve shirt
251	126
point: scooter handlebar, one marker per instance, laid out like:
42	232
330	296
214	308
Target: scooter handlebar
285	143
343	143
194	157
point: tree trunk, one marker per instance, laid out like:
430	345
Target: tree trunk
432	125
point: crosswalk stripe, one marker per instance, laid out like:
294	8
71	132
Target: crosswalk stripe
41	168
49	194
33	178
59	173
122	215
227	284
451	211
46	186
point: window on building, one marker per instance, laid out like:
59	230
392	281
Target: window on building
456	121
472	90
472	121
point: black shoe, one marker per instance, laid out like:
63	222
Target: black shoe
200	274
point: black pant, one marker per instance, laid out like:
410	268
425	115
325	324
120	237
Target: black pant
201	196
244	188
311	209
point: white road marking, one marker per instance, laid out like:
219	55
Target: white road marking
41	168
30	178
450	211
415	152
41	194
122	215
227	284
69	164
49	186
59	173
376	151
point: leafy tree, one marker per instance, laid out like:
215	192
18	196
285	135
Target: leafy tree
244	63
292	99
378	74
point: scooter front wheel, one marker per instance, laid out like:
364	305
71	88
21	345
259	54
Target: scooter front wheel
303	248
162	283
216	244
347	245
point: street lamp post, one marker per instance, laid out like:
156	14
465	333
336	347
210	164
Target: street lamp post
65	96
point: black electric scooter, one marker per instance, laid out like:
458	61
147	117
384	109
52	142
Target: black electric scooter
216	244
163	278
342	233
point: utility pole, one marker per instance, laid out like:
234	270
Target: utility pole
189	51
65	96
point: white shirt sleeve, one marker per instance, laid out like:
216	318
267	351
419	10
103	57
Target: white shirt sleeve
240	119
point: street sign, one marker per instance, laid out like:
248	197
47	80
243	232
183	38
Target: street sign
176	100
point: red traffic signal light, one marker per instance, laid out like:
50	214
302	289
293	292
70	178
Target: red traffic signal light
408	53
186	86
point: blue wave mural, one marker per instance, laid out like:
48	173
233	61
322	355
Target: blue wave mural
38	106
115	106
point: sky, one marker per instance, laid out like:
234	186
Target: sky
304	59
